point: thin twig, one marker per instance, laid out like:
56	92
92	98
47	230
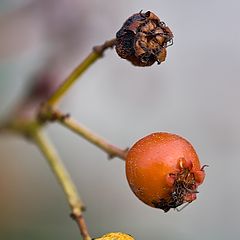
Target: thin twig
64	179
82	226
98	141
96	53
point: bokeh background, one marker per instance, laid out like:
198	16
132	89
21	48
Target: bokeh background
195	93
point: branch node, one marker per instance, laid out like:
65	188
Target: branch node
79	219
101	48
122	155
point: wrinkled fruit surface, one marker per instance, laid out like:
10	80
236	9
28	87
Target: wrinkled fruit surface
163	170
115	236
143	39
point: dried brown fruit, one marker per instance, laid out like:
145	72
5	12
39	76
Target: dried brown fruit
143	39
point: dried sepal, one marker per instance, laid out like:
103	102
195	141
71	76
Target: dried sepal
143	39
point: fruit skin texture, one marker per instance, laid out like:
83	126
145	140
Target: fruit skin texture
116	236
163	170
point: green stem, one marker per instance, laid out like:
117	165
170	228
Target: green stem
59	170
98	141
64	179
77	72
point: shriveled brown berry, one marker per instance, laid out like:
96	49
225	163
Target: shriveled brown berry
143	39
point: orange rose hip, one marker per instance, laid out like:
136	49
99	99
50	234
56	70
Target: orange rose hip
163	170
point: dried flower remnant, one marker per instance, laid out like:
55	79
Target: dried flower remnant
143	39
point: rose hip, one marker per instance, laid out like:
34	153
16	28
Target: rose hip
163	170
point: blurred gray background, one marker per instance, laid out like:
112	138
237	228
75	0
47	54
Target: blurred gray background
195	93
